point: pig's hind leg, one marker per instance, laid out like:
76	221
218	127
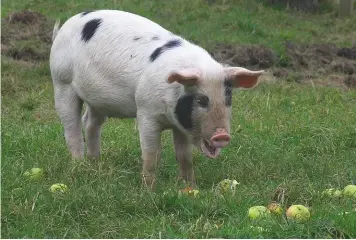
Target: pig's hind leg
68	106
92	121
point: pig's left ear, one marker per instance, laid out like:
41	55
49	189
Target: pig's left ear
242	77
187	77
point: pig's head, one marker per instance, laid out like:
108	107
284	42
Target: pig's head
204	110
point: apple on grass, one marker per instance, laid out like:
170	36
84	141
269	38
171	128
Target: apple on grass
298	213
350	191
34	174
227	185
258	212
275	208
58	188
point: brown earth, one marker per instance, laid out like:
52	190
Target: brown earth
26	36
305	62
255	56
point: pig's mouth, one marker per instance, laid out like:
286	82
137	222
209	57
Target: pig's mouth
209	150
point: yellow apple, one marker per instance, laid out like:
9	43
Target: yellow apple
227	184
275	208
58	187
258	212
350	191
298	213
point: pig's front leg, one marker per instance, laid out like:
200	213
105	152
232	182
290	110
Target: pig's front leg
183	150
150	140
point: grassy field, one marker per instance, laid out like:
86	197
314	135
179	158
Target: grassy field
298	139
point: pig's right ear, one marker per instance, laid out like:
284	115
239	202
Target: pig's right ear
186	77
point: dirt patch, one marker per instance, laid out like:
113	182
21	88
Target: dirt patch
350	81
347	67
318	61
323	58
310	56
26	35
253	56
305	62
26	17
349	53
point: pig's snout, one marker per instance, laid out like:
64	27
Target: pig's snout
220	138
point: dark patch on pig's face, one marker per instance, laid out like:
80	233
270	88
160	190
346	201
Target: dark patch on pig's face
228	92
189	109
90	28
169	45
184	109
87	12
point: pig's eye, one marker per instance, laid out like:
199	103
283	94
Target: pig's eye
202	100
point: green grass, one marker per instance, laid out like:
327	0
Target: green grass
292	136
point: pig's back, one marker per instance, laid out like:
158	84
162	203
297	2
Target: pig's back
115	43
106	52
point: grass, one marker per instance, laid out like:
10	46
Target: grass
292	136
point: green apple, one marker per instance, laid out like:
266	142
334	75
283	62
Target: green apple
34	174
350	191
58	188
258	212
227	185
332	192
298	213
275	208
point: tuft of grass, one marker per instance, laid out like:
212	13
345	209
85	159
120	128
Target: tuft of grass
289	142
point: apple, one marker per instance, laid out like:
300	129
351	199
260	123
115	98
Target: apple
227	184
258	212
350	191
275	208
298	213
58	187
34	174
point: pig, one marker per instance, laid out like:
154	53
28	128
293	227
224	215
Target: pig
123	65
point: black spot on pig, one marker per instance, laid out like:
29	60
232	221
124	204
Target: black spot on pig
86	12
228	92
171	44
184	109
136	38
155	38
90	28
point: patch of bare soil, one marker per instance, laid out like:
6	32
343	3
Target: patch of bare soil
349	53
305	62
254	56
26	35
350	81
316	60
326	58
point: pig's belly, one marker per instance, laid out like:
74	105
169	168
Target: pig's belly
111	100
